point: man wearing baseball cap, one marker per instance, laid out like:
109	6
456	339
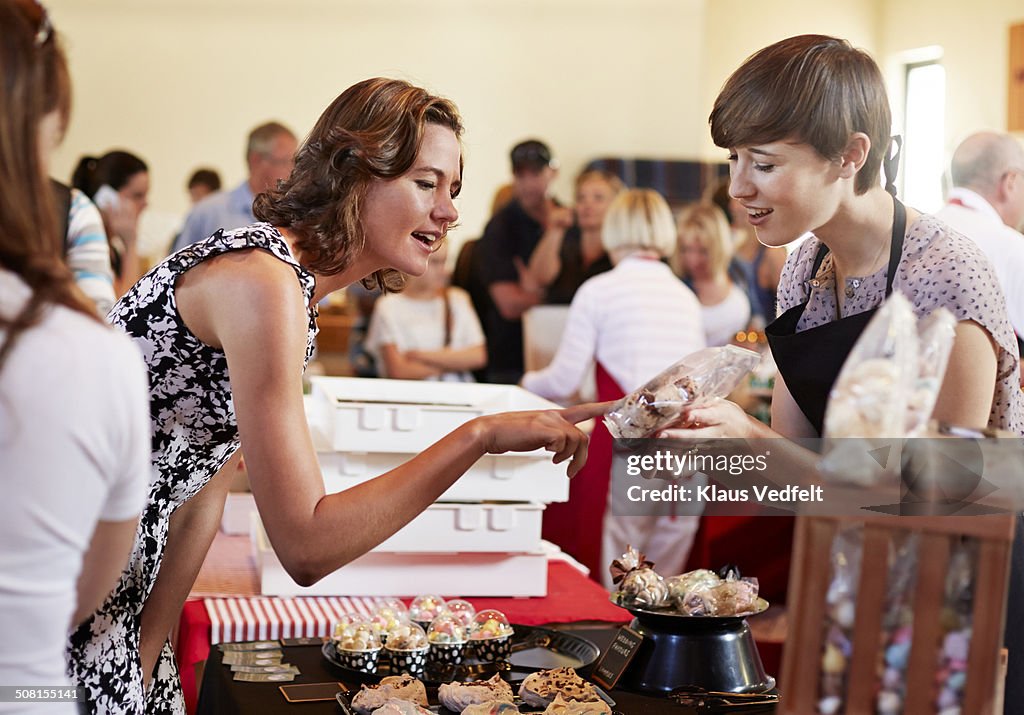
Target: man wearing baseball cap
505	249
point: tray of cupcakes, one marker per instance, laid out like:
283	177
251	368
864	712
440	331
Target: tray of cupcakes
440	641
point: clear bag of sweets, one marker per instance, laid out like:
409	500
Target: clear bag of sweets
704	593
638	584
935	333
704	375
897	624
870	396
840	601
957	612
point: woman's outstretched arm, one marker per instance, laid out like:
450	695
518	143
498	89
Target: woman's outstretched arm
250	306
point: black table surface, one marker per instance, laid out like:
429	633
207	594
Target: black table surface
221	695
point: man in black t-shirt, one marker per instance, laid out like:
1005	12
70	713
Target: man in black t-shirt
502	253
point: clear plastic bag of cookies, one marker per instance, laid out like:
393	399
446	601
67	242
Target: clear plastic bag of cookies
704	375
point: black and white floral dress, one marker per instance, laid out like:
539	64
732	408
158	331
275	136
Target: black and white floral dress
194	432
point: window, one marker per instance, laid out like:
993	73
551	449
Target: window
923	129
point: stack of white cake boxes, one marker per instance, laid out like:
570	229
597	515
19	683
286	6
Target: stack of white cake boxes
481	538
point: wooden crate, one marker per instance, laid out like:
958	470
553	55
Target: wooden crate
808	588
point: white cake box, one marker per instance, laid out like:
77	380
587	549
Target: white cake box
493	477
382	573
525	477
407	416
238	511
441	528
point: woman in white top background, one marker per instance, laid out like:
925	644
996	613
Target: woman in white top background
633	322
702	260
429	331
74	426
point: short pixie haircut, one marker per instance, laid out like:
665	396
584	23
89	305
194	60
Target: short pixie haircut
372	131
815	89
639	219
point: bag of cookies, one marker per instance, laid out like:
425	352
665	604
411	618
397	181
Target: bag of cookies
871	394
935	334
703	375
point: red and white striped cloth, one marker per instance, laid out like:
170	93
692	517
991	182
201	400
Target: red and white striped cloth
268	618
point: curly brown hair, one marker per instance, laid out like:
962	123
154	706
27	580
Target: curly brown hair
372	131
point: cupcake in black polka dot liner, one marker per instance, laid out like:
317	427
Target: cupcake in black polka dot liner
388	615
407	647
448	640
463	612
357	646
491	636
426	608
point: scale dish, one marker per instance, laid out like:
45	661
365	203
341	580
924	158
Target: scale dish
669	616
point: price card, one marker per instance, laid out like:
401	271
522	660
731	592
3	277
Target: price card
615	660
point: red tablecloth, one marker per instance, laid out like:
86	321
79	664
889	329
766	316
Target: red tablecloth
571	597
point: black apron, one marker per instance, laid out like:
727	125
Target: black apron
809	361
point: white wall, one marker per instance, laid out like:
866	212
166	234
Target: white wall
181	82
975	53
735	29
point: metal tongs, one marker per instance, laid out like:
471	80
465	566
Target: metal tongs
716	702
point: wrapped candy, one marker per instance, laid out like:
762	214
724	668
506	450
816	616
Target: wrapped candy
699	580
844	579
639	585
869	398
704	593
645	588
732	598
935	334
704	375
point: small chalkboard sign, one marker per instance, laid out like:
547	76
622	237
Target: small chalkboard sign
615	660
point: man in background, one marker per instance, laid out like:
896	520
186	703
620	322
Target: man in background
203	182
270	154
503	252
986	204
